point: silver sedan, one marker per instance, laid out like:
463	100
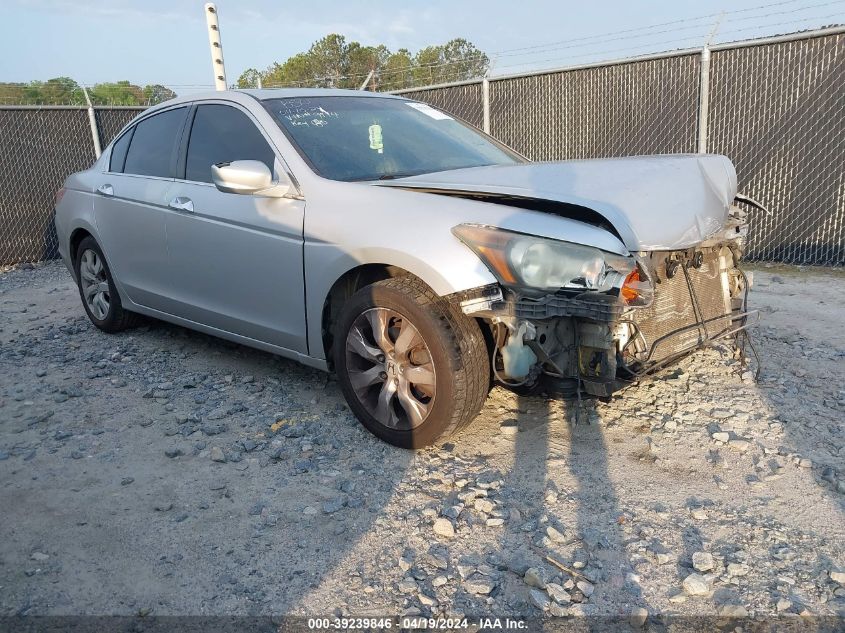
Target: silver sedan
420	259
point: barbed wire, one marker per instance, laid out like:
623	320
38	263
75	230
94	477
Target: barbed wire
578	42
709	16
607	52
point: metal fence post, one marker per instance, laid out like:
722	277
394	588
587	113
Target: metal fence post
92	120
703	99
485	104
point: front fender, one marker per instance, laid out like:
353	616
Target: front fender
445	270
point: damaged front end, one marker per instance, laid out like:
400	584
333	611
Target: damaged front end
596	321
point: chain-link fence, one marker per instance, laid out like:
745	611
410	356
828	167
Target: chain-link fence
39	147
644	107
778	111
776	107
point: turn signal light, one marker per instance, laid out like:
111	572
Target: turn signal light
636	291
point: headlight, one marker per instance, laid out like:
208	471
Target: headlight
532	262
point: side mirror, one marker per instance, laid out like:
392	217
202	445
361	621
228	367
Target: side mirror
250	177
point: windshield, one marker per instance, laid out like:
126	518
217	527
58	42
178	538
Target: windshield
371	138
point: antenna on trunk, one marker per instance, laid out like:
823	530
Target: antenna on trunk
216	46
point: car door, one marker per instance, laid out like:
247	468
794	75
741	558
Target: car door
131	206
236	260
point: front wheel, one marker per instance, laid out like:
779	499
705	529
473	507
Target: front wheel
412	367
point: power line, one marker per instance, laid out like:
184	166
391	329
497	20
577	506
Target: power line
652	26
575	42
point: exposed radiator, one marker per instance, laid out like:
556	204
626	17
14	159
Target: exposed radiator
673	309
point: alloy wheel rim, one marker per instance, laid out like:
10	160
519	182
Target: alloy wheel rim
390	368
95	286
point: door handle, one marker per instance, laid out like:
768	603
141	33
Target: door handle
180	203
106	190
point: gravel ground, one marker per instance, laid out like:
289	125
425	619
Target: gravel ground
167	472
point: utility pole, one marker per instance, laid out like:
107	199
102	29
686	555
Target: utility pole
704	89
216	47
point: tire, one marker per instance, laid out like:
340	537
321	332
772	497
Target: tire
115	318
452	348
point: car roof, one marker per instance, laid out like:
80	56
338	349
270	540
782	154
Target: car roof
242	95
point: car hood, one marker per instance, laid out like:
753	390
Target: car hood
653	202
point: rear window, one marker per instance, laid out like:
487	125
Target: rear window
151	150
118	151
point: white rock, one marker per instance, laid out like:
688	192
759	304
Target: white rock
739	445
837	576
783	605
558	593
478	584
217	454
555	534
439	581
425	600
495	522
539	599
408	585
39	556
721	436
484	505
638	617
444	527
733	611
703	561
587	588
533	578
738	569
557	610
696	585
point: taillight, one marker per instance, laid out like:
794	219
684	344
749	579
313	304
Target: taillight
59	195
637	291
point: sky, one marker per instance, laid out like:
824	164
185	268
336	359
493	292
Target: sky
166	42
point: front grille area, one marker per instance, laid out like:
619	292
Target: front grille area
673	308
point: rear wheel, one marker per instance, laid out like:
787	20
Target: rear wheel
413	367
97	289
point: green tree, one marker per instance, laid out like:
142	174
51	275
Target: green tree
117	93
361	60
329	60
61	90
333	62
455	60
295	71
249	78
56	91
157	93
12	93
397	71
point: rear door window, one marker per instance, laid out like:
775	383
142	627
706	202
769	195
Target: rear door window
222	134
151	150
118	152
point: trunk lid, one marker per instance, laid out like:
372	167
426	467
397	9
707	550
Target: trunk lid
654	202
